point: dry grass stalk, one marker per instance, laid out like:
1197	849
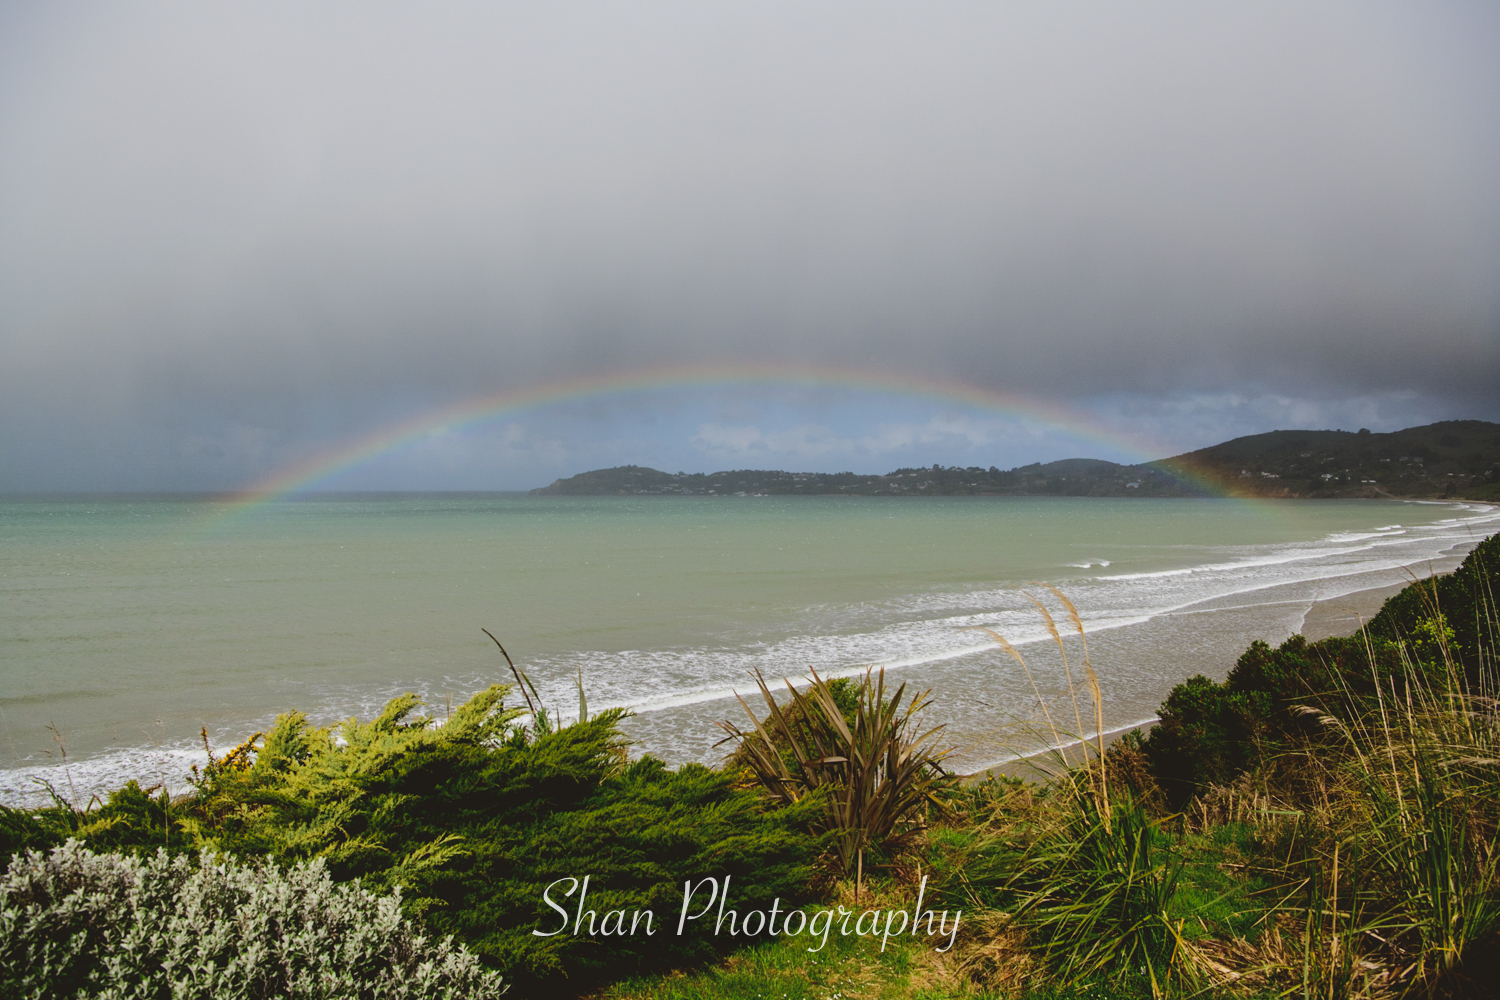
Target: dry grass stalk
1067	670
1098	779
1057	740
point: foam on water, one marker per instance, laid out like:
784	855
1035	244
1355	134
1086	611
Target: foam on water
78	783
678	692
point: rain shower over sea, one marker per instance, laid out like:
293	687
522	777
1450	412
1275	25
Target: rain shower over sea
128	624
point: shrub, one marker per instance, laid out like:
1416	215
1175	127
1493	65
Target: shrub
1466	601
872	771
1098	896
78	924
474	818
22	830
1437	634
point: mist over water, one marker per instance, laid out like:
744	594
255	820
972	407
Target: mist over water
129	623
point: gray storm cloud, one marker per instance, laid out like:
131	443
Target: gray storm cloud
232	226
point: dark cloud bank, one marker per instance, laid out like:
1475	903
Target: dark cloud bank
231	234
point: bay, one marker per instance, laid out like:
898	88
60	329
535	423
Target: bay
128	624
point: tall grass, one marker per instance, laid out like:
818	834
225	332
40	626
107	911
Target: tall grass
1097	896
1093	765
1380	824
1412	800
1377	829
1094	886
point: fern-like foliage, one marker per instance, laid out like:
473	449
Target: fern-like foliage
472	819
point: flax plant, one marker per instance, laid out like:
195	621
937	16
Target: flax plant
878	772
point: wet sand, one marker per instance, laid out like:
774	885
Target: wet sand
1344	615
1336	616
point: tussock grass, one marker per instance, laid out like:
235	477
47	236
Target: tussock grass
1355	855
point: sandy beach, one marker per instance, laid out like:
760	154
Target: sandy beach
1344	615
1323	619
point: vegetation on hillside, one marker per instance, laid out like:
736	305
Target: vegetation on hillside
1451	459
1437	635
1068	477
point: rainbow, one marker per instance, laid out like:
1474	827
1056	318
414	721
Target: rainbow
307	473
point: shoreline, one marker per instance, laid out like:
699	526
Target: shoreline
1339	616
1260	612
1324	619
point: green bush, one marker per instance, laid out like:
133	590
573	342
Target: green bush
83	925
1465	599
24	830
1211	732
475	817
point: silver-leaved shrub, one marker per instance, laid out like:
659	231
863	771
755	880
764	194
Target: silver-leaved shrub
82	925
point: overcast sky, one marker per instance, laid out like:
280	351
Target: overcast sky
233	237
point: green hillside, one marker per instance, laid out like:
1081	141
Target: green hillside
1452	459
1455	458
1069	477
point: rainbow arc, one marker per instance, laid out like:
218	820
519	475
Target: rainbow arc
308	473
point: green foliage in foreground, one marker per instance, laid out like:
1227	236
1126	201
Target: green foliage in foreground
1330	831
473	819
1095	887
83	925
1438	635
1466	600
1099	896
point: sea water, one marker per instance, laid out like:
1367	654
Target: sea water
128	625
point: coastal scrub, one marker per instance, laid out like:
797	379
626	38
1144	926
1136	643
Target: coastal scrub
472	819
83	925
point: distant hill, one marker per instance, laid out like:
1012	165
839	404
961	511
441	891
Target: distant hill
1456	458
1070	477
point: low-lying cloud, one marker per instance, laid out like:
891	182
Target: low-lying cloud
232	236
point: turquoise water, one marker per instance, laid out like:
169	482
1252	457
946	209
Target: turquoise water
129	623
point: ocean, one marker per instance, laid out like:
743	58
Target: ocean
130	624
